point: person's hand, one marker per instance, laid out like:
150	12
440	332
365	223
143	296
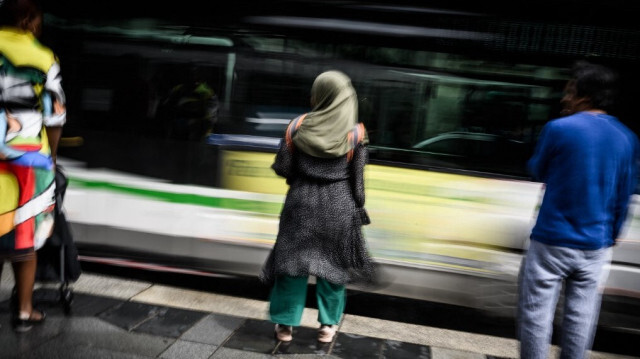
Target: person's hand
59	108
13	125
34	159
364	216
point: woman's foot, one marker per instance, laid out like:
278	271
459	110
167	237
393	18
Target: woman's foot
25	321
284	333
326	333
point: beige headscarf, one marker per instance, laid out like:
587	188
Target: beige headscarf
323	132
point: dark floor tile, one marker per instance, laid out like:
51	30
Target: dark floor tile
171	322
83	305
94	334
91	305
213	329
254	336
129	315
355	346
14	344
305	341
399	350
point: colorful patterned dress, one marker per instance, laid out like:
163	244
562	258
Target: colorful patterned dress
29	84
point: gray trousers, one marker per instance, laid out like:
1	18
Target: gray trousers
542	273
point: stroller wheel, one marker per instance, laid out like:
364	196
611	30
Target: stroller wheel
66	297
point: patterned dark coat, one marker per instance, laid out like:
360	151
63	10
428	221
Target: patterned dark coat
320	224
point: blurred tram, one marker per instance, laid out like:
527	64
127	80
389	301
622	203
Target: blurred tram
173	123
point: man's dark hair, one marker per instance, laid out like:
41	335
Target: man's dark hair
597	82
13	12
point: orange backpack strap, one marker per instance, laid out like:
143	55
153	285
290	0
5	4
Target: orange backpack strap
355	136
291	130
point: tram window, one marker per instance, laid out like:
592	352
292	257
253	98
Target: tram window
456	122
270	90
145	89
265	102
448	146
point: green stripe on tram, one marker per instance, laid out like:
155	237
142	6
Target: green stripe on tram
271	208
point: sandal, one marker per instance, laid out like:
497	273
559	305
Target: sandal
21	325
284	333
326	333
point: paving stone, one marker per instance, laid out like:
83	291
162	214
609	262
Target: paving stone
214	329
354	346
79	352
93	332
398	350
91	305
209	302
429	336
444	353
109	286
305	356
171	322
82	304
60	335
13	344
229	353
254	336
129	315
185	349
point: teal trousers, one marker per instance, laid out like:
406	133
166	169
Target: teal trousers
289	295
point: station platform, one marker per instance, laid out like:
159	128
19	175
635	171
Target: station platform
112	317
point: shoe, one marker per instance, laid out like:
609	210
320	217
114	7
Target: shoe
284	332
22	325
326	333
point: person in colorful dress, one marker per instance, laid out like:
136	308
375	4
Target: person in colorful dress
322	157
32	113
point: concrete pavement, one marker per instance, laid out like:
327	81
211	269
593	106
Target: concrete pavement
112	317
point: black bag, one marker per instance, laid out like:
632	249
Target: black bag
59	253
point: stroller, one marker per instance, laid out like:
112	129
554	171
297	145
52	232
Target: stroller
58	258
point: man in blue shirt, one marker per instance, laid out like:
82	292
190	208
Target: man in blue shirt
588	163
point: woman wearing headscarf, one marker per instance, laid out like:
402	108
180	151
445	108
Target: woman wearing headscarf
32	113
322	157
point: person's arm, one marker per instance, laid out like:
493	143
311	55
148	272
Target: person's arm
55	112
359	160
538	164
626	188
53	135
6	152
283	164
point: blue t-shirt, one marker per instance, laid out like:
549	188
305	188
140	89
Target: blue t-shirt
589	164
